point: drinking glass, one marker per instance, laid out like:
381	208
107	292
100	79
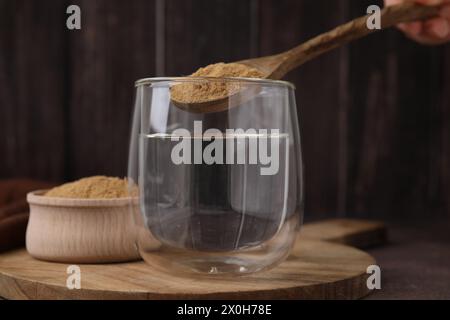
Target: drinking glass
221	190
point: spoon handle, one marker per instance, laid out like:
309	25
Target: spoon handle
355	29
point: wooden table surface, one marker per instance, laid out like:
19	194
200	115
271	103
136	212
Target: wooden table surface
415	264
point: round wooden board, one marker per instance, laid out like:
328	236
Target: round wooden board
315	270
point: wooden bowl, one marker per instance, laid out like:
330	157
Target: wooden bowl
81	230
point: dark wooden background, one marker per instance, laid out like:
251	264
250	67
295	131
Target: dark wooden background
375	115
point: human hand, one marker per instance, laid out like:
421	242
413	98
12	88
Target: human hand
432	31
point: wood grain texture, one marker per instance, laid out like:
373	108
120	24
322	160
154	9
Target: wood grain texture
394	126
198	33
277	66
81	230
444	138
374	115
314	270
31	89
114	48
317	92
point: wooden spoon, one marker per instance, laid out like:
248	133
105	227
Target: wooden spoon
277	66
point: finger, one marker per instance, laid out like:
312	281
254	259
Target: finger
425	37
411	28
445	12
437	28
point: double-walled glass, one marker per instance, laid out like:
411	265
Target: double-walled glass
221	187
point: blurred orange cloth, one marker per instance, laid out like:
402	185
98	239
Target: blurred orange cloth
14	210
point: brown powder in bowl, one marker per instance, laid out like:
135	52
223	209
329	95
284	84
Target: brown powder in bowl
97	187
204	91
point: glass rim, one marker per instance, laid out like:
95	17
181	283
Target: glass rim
282	83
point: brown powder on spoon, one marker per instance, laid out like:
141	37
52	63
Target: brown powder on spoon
202	91
97	187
